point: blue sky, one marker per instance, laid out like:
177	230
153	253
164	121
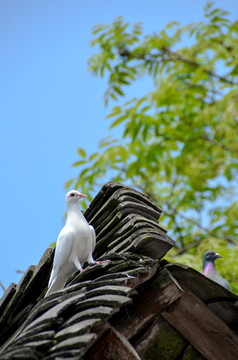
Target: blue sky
50	105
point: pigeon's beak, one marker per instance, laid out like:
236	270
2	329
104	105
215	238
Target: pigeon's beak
82	195
218	256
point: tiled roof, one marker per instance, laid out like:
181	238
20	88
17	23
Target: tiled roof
133	307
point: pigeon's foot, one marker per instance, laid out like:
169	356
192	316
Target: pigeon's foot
101	262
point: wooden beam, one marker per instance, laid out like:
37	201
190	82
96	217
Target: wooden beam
163	291
202	328
112	345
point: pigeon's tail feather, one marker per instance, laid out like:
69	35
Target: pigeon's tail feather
57	284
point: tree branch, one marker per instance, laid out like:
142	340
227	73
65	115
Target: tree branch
185	248
174	212
192	62
218	144
171	56
192	221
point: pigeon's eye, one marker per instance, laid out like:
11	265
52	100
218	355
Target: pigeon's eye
72	195
210	253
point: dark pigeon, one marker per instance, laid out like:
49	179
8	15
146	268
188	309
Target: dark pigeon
209	269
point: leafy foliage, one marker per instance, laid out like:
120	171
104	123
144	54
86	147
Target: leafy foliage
179	143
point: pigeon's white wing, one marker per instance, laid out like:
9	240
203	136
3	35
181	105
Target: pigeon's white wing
92	240
62	253
93	237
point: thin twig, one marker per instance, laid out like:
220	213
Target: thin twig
187	247
194	222
2	286
189	220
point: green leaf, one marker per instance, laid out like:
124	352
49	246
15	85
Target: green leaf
96	30
81	152
93	156
118	90
118	121
234	70
84	172
106	141
115	111
77	163
68	183
112	96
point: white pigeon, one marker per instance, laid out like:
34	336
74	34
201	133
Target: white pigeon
74	246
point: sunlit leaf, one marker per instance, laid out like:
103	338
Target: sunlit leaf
93	156
77	163
68	183
81	152
118	121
